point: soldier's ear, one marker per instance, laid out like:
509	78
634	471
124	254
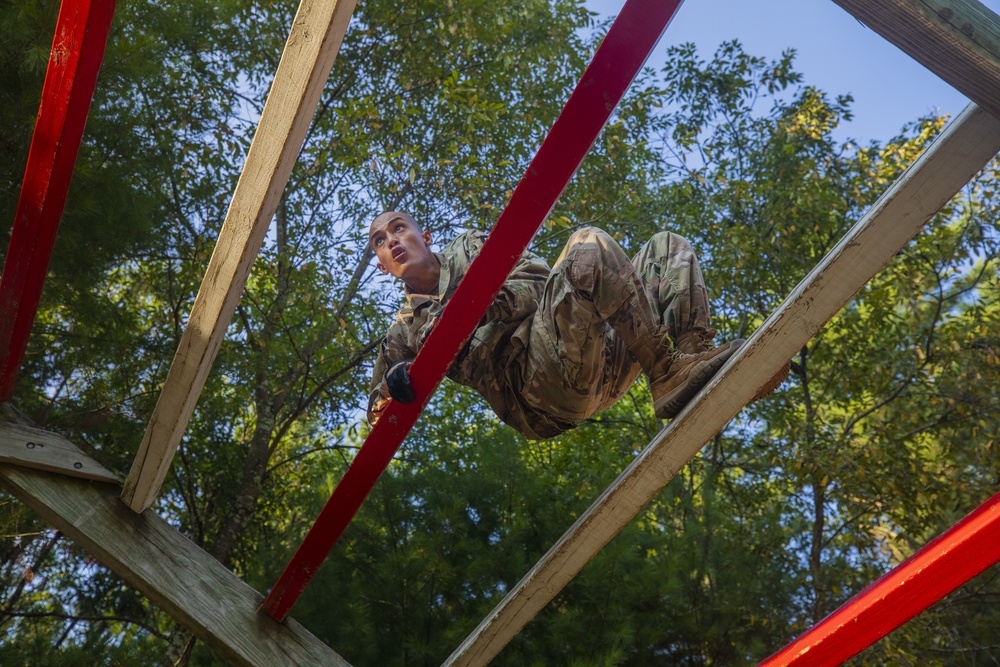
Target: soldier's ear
427	239
381	268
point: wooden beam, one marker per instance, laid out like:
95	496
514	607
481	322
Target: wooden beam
959	40
43	450
618	59
78	46
965	146
317	32
964	551
176	575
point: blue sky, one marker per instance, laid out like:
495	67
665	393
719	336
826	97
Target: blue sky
836	53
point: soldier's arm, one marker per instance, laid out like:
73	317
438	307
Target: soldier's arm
519	295
392	349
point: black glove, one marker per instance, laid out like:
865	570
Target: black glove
397	381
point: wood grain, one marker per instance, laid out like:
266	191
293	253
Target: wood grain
43	450
174	573
965	146
958	40
317	32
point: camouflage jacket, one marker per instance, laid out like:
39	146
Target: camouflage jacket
492	361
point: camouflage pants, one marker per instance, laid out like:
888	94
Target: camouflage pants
599	316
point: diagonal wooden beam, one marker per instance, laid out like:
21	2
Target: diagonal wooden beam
81	36
174	573
965	146
959	40
313	42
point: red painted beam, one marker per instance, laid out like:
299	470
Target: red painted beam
77	53
953	558
624	50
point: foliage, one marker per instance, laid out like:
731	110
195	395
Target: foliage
884	436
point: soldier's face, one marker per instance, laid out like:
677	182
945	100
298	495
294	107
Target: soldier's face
403	250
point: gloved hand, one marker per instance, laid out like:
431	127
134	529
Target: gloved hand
397	381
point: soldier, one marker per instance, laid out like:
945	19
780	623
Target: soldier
556	345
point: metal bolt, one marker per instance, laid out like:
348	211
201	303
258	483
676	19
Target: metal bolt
77	465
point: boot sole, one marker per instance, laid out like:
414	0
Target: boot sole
667	406
771	385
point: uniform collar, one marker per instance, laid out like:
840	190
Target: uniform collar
415	298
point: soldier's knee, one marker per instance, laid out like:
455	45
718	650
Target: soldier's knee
587	235
660	238
597	239
589	251
669	238
669	243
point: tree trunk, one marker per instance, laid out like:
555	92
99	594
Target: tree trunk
819	493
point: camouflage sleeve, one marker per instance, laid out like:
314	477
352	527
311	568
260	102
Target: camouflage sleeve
518	297
517	300
393	348
424	319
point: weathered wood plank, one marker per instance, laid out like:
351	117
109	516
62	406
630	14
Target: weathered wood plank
43	450
174	573
963	149
317	32
959	40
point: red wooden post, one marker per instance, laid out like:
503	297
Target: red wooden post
954	557
622	53
77	53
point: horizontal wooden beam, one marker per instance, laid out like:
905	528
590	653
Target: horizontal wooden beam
43	450
964	551
965	146
313	42
959	40
174	573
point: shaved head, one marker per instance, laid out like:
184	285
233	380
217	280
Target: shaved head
403	250
383	219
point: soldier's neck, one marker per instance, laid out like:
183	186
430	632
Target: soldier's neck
426	281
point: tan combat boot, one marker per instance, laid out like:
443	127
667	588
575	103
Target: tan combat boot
698	340
685	376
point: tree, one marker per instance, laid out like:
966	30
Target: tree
862	443
396	124
435	108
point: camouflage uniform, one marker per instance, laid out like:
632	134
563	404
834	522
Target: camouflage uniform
559	345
